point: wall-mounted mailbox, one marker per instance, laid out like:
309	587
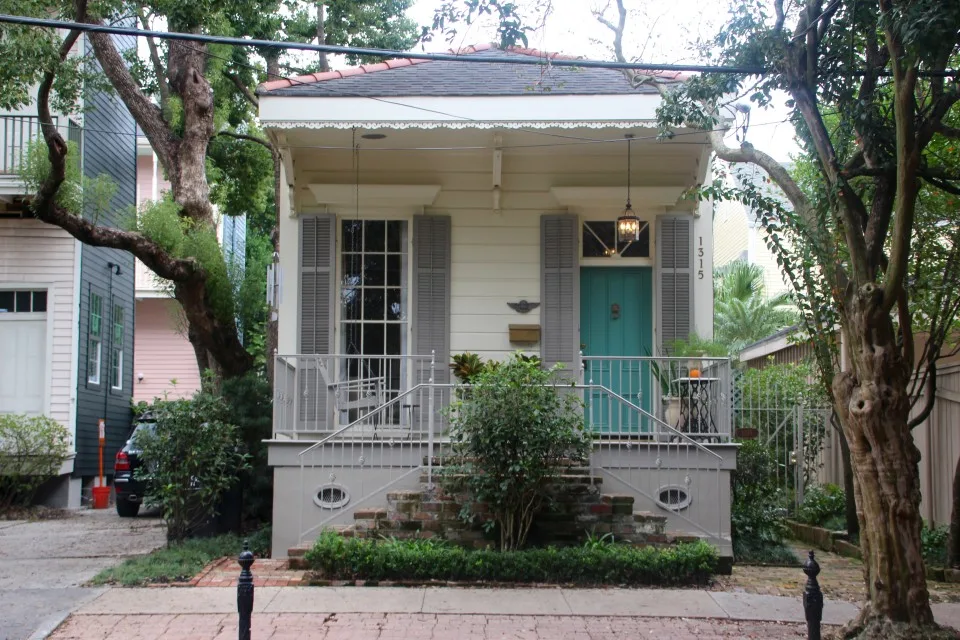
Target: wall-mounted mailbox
525	333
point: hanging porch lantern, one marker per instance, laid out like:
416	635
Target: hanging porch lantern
628	225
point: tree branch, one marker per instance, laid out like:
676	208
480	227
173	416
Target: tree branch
747	153
617	29
781	16
322	35
158	69
908	161
948	131
243	136
878	224
242	88
929	396
46	209
941	184
147	114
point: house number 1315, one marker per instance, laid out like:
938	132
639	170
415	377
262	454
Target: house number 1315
700	257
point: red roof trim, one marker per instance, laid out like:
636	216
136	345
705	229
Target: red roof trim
394	63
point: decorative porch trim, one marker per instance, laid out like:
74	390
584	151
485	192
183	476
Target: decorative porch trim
446	124
376	195
593	197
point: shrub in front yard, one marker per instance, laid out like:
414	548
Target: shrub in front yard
192	457
934	544
824	506
756	517
511	433
338	558
32	449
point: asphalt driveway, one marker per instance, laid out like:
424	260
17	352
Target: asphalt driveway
44	564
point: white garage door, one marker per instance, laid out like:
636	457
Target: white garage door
23	342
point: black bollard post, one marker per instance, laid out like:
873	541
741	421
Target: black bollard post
812	598
245	591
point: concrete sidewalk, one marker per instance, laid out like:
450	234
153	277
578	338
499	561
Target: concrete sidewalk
410	613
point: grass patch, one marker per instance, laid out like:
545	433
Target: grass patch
766	553
181	561
337	558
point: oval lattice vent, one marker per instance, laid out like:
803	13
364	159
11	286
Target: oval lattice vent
673	497
331	496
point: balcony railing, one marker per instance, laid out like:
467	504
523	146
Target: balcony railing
16	134
315	395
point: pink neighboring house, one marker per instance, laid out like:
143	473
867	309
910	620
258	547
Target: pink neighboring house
164	364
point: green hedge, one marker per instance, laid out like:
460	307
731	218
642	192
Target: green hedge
337	558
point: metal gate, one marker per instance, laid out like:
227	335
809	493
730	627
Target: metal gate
792	431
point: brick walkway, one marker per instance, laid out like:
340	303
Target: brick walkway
840	578
367	626
266	573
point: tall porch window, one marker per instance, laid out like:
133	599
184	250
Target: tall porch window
373	299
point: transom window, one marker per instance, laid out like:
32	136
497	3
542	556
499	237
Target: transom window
600	241
18	301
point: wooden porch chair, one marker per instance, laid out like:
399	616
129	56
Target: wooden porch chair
364	395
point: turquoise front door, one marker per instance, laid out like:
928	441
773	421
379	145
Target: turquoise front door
616	311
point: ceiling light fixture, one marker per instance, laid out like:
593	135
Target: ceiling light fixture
628	225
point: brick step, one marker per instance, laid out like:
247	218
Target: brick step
405	496
649	523
680	537
370	514
295	558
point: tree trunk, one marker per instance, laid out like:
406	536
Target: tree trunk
272	325
873	404
953	545
322	36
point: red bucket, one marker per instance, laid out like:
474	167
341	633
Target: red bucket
101	497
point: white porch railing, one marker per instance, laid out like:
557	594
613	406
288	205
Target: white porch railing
379	420
690	395
318	395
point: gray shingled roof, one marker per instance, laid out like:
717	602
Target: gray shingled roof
445	78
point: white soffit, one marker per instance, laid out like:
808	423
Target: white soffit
642	197
376	195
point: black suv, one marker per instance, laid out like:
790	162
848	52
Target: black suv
129	490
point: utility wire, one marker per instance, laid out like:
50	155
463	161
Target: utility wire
449	57
378	53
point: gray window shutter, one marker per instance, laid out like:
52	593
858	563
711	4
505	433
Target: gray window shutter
675	277
431	309
560	290
431	291
317	294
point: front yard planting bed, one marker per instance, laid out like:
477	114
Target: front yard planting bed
824	539
334	558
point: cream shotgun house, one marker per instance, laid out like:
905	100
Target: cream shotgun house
440	207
